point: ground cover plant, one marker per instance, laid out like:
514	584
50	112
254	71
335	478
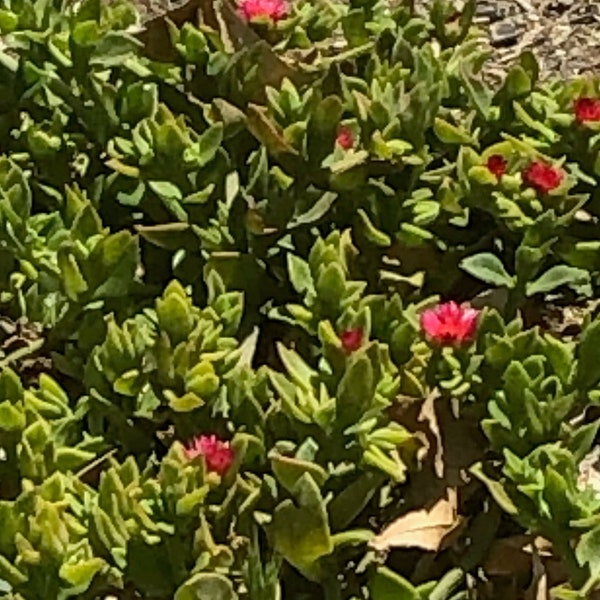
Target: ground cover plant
293	305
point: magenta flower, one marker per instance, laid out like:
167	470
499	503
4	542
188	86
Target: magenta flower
497	164
543	177
449	324
218	454
351	339
587	110
345	137
264	10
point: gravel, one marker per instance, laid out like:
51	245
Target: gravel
563	34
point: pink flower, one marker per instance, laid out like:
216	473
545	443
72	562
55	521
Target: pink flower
345	137
264	10
587	109
496	164
218	455
449	324
543	177
351	339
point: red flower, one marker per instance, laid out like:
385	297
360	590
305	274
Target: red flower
264	10
587	109
449	324
497	165
345	137
218	455
352	339
543	177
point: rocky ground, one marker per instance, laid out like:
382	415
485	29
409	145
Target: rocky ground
563	34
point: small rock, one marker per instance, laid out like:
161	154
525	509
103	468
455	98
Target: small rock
504	33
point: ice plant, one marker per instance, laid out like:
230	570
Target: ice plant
587	110
351	339
543	177
263	10
449	323
218	454
496	164
345	138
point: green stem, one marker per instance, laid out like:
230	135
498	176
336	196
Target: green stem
353	536
331	589
577	574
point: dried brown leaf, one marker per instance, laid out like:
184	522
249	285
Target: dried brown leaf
267	131
512	555
429	416
539	584
425	528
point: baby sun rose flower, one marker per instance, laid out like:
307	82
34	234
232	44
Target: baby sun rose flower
543	177
344	138
587	109
449	324
351	339
496	164
218	454
268	10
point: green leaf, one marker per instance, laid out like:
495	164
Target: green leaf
374	235
114	48
153	569
300	275
517	82
487	267
557	276
387	585
182	404
350	160
447	584
134	197
355	390
9	21
587	551
206	585
496	489
538	126
331	287
72	459
350	502
315	212
111	266
298	370
322	125
10	573
80	575
289	470
205	149
556	494
72	279
174	313
587	372
166	190
482	175
202	379
11	418
301	532
516	382
451	134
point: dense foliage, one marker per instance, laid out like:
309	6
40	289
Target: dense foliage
293	305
